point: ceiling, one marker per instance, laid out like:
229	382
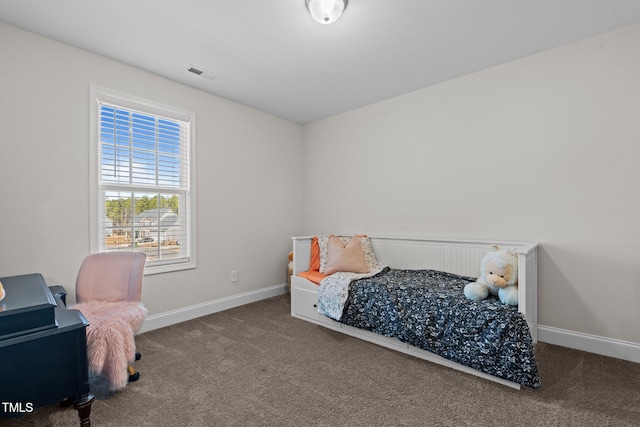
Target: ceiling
271	55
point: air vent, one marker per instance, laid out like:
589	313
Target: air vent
201	72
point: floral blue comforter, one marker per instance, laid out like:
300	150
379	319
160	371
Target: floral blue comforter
427	309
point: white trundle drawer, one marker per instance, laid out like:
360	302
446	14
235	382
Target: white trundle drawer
305	304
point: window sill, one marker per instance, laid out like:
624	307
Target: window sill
168	268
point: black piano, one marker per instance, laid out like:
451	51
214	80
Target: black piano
43	350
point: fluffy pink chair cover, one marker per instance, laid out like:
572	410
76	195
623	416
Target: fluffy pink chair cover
110	337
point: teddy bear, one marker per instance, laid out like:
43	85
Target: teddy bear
498	276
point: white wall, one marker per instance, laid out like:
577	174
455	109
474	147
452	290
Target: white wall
545	148
248	204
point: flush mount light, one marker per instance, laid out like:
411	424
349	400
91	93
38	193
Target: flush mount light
326	11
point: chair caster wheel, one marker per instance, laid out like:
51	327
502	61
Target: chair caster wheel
134	377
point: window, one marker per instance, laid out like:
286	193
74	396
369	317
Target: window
142	180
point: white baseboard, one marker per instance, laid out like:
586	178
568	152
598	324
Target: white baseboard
624	350
169	318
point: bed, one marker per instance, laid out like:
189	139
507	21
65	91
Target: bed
437	269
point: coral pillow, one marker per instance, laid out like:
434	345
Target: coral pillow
347	258
314	276
314	262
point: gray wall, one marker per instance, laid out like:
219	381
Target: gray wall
248	204
545	148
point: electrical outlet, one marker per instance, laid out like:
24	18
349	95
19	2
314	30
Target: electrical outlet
234	276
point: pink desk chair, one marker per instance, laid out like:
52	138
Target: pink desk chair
108	293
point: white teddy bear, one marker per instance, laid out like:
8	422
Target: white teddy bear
498	276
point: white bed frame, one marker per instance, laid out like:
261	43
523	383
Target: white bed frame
453	256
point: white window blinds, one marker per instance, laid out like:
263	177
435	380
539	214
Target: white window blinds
144	180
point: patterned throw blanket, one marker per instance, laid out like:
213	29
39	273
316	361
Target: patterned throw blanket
427	309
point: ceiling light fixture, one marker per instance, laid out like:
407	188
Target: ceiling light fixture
326	11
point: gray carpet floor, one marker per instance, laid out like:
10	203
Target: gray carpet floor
255	365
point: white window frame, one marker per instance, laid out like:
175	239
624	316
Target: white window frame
97	191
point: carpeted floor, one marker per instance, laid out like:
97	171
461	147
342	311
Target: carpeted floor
255	365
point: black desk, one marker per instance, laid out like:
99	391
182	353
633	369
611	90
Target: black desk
43	350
